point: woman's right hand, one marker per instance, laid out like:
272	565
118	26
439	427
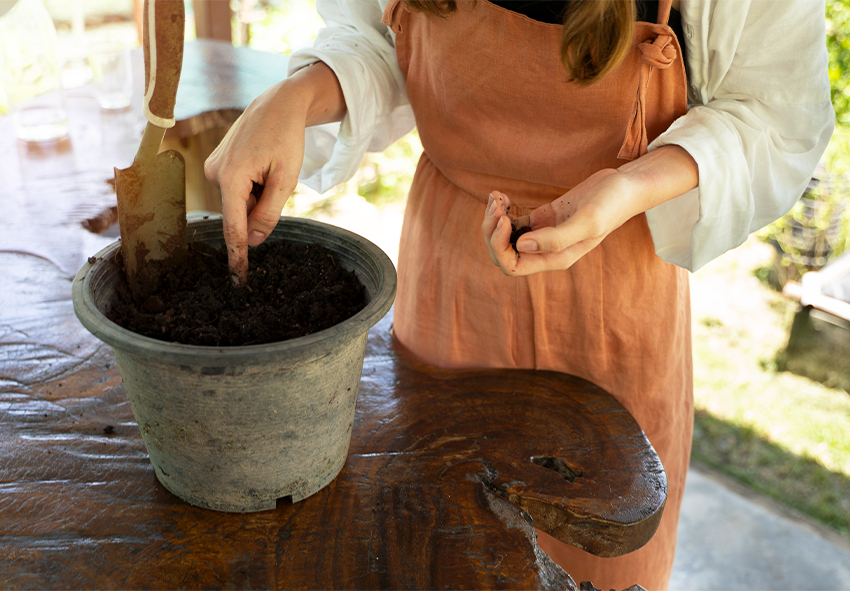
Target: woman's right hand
266	146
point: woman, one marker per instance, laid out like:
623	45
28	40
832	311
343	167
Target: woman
580	128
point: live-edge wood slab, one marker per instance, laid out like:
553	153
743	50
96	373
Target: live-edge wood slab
430	497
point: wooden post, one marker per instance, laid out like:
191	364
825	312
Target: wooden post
212	19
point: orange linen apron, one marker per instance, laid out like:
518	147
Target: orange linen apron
494	112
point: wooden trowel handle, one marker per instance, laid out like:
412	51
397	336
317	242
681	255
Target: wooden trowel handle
163	31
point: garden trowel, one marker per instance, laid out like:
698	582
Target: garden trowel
152	192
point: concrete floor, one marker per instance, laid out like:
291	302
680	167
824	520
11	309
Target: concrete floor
731	538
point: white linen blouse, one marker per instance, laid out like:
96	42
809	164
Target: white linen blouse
759	117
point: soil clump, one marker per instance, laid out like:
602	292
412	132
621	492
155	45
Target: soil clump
292	291
516	232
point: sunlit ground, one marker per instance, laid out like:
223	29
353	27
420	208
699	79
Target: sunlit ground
784	434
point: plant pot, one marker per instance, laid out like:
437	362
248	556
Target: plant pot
236	428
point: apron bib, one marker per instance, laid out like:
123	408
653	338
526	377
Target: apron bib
494	111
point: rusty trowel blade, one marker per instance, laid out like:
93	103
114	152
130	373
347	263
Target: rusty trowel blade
151	216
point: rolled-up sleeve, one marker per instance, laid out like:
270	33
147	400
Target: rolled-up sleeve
760	120
361	52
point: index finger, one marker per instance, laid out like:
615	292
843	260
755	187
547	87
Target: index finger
234	209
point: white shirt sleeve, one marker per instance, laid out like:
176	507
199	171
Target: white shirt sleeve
361	52
760	119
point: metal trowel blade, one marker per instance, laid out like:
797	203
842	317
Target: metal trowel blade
152	217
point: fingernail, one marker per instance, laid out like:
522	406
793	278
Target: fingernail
255	238
493	206
527	245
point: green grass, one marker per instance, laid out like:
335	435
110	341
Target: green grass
800	481
783	434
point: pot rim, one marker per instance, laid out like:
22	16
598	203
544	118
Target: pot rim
133	343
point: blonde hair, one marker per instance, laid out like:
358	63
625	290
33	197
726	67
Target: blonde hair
596	35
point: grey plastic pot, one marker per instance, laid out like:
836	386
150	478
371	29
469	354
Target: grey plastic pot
236	428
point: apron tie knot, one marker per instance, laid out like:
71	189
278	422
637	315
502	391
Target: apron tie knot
393	12
658	53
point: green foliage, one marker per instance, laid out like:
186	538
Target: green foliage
279	26
386	177
837	162
838	45
806	239
816	229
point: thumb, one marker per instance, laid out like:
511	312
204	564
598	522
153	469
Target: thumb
552	239
266	213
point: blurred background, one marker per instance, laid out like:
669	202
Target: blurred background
770	319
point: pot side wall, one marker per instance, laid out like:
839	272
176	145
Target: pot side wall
237	443
235	429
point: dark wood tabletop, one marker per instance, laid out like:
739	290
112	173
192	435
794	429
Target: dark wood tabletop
446	473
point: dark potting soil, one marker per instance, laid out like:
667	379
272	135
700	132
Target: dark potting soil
516	233
292	291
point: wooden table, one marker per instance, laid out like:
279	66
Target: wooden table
446	472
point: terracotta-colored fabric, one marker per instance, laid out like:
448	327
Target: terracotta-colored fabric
495	112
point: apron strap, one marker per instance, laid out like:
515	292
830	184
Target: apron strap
654	53
392	15
664	7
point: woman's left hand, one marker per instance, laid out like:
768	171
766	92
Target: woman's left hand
571	226
562	231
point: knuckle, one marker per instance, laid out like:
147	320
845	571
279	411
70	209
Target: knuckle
556	244
551	242
230	233
211	170
266	220
289	187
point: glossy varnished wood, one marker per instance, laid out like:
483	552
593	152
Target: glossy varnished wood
439	490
